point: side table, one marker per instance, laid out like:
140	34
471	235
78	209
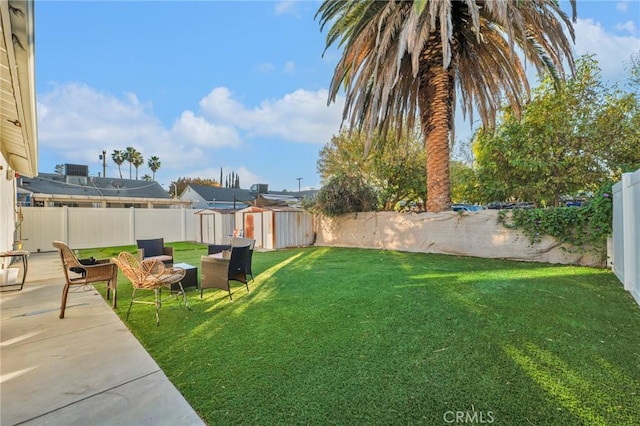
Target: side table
21	254
190	279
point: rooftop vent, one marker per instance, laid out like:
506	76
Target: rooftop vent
260	188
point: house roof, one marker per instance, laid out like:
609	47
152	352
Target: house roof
211	193
18	132
56	184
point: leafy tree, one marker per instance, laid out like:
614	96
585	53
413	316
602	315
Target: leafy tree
154	165
634	71
345	194
573	138
119	157
394	167
177	186
464	186
137	161
405	58
59	169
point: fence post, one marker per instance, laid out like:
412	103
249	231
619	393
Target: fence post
65	224
132	224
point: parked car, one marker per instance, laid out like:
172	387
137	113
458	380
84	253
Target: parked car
507	206
466	207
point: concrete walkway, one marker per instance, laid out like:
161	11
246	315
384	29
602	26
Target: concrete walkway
84	369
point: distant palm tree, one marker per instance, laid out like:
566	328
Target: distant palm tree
129	156
137	161
154	165
147	177
406	58
118	157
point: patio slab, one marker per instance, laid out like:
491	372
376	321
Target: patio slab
84	369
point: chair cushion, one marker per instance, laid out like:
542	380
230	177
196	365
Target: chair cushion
162	258
153	247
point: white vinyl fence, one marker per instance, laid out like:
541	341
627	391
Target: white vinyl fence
82	227
626	232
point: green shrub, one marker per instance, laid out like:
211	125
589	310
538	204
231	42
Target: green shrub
345	194
585	228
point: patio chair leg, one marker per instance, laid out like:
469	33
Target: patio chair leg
65	292
130	304
184	296
115	293
158	303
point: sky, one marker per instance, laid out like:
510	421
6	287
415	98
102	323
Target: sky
240	86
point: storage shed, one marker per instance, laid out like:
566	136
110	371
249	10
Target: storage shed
215	225
276	227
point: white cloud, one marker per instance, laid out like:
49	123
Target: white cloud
612	51
266	67
190	128
622	6
302	116
628	26
289	67
286	6
78	122
75	114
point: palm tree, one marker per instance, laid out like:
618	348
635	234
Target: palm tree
404	58
129	156
118	157
146	177
154	165
137	161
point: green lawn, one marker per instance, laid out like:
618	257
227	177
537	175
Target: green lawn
352	336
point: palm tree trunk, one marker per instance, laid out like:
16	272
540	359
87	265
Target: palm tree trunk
436	90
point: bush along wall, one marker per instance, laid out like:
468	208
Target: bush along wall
576	228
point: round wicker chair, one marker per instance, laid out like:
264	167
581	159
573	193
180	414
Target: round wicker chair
150	274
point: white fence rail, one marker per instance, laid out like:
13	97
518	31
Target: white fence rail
626	232
96	227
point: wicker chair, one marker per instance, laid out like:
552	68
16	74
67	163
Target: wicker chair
150	274
218	272
102	271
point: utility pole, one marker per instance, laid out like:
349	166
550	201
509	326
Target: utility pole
103	157
299	179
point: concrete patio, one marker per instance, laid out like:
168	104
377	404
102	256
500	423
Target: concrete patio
84	369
